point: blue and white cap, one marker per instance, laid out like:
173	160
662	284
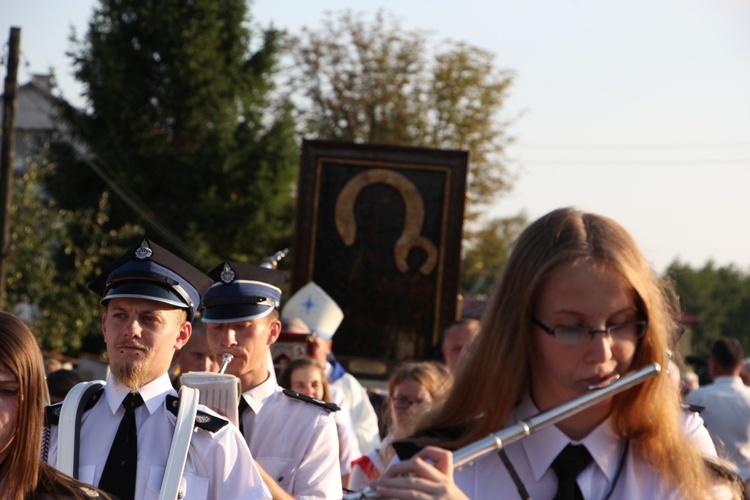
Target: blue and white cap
241	292
148	271
316	308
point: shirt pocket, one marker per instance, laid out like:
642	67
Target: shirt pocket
192	487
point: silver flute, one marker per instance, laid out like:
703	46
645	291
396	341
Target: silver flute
497	440
226	358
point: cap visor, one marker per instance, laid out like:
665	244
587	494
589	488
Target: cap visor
147	291
235	312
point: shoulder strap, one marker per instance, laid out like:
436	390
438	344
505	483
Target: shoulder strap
329	407
178	451
522	492
79	399
203	420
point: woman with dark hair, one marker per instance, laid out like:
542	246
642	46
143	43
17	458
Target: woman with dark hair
577	308
23	394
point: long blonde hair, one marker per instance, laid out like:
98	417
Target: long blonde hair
647	413
24	474
21	357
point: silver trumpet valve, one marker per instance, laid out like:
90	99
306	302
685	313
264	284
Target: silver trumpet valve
226	358
272	261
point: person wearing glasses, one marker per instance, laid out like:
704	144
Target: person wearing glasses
414	388
577	308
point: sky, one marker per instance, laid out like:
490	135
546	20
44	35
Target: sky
638	110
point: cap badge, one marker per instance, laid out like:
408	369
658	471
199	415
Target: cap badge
227	275
143	252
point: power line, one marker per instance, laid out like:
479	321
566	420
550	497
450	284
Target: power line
633	146
148	216
635	162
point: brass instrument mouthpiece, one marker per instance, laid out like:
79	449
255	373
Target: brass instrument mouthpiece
226	358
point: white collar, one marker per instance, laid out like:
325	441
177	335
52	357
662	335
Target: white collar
154	393
258	395
543	446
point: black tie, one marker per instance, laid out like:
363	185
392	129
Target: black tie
241	410
568	464
118	477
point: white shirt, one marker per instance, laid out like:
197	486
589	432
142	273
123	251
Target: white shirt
348	444
532	458
295	442
363	415
727	418
219	465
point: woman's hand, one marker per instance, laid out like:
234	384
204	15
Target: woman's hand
429	474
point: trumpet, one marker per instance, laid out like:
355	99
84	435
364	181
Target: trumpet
272	261
226	358
467	455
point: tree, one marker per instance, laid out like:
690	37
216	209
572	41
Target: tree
379	83
484	261
48	274
180	130
720	297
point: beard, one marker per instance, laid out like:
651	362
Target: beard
131	375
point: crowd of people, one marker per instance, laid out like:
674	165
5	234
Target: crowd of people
576	310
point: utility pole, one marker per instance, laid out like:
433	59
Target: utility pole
10	96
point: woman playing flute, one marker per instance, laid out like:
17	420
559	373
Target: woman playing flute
577	308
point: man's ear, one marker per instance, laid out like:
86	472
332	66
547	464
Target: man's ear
329	345
104	326
274	330
186	329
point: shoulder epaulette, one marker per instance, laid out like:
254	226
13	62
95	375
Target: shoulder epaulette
329	407
692	408
203	420
52	412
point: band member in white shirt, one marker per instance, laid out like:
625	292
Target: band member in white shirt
293	437
150	297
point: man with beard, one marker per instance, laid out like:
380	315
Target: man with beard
150	297
293	437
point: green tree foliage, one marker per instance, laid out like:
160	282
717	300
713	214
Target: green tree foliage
46	268
484	261
718	297
180	129
376	82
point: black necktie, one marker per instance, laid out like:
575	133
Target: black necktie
241	409
568	464
118	477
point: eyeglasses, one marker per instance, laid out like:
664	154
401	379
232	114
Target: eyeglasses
404	403
577	335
